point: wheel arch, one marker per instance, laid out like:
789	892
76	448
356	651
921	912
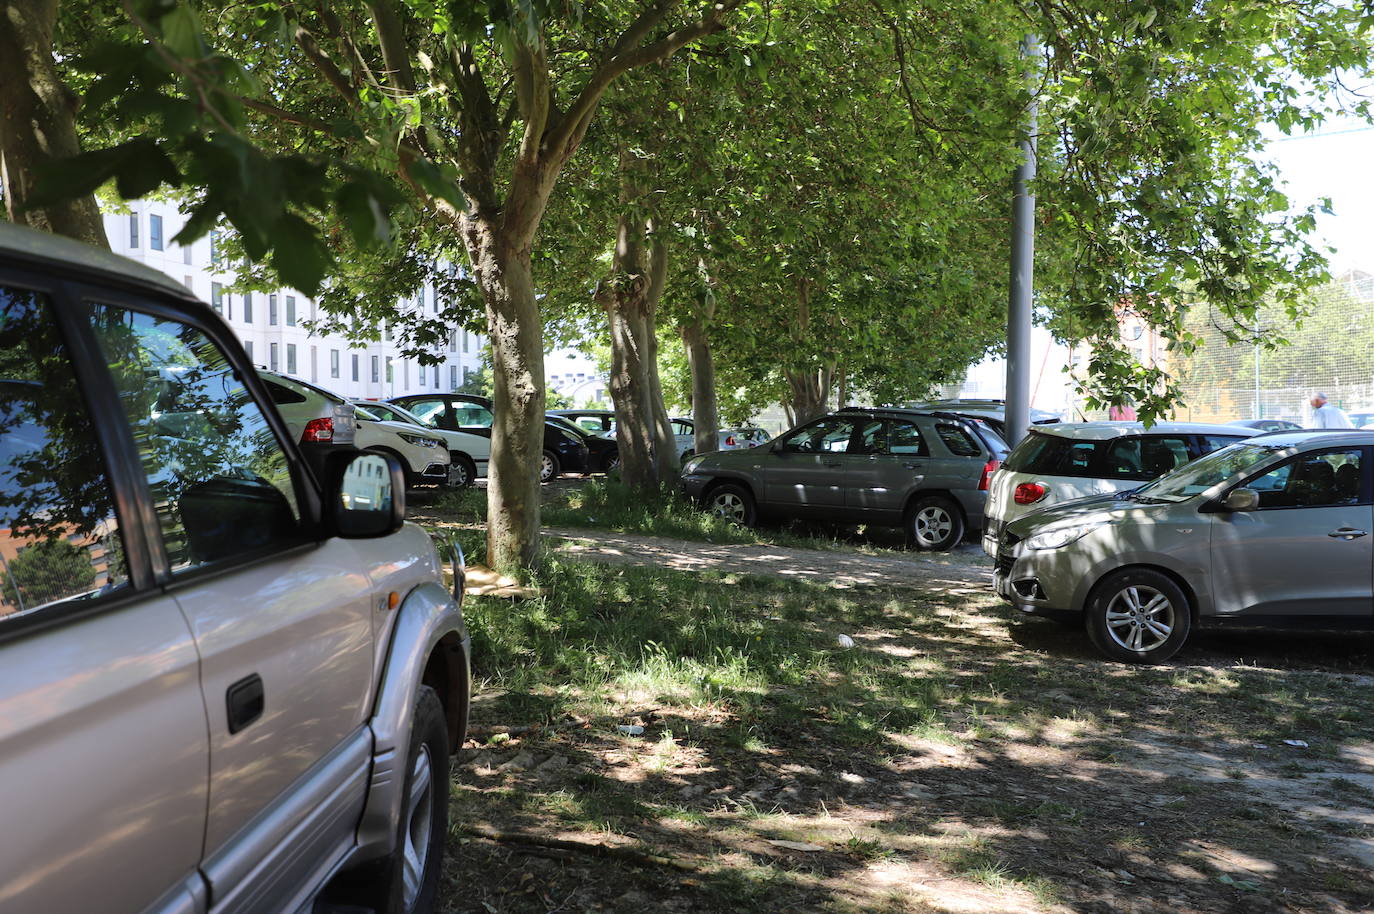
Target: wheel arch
1189	593
719	481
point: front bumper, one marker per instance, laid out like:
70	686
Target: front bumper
693	485
1035	582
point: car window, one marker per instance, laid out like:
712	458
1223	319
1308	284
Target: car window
385	413
282	395
59	535
1143	456
1326	480
904	438
590	423
471	415
220	481
956	440
681	428
1052	455
429	412
364	412
828	436
1210	443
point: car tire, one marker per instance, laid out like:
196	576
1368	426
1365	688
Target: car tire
934	523
462	472
612	461
1138	615
549	467
406	881
733	503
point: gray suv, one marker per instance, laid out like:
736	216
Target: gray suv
229	684
924	471
1272	531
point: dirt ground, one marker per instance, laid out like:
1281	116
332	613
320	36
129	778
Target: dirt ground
1239	778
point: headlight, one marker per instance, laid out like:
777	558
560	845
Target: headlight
1057	538
691	465
419	440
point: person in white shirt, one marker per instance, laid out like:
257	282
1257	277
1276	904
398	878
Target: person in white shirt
1326	416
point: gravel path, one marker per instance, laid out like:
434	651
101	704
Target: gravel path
964	570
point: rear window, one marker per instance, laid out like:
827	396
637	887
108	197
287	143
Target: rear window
282	395
957	441
1144	457
1210	443
1051	455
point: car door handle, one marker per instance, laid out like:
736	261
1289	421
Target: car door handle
836	464
244	702
1347	533
914	466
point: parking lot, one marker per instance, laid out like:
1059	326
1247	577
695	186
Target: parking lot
708	741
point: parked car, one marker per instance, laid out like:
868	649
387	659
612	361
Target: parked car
423	457
1272	531
1058	463
993	412
1268	425
1361	418
321	423
564	452
600	422
229	684
468	453
926	472
603	454
727	439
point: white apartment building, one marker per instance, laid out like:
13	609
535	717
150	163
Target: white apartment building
270	325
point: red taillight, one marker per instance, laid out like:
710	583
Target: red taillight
318	430
729	440
1028	493
988	469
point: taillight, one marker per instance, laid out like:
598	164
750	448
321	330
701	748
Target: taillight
988	469
1028	493
318	430
729	440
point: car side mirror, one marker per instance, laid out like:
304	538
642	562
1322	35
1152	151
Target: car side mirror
365	494
1241	500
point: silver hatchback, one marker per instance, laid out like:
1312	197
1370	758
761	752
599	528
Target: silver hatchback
1273	531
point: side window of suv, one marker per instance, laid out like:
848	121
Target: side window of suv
828	436
956	440
905	439
59	535
1312	481
471	415
220	482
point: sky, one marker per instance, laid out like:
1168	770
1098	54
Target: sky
1336	161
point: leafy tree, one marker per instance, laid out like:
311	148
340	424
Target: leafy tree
47	570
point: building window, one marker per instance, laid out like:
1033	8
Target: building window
314	364
436	377
405	373
333	363
355	366
453	341
215	252
186	281
465	341
217	297
386	333
453	377
155	232
248	348
290	310
248	307
186	253
390	371
290	358
376	372
272	310
272	360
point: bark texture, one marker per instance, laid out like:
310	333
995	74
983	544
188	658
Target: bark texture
809	391
666	457
38	122
706	422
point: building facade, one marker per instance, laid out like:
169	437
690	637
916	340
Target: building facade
271	325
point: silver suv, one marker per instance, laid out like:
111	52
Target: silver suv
925	471
227	685
1271	531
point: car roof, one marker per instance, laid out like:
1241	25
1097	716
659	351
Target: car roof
68	254
1103	431
1307	437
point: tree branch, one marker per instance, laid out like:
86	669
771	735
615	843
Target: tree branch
305	40
391	36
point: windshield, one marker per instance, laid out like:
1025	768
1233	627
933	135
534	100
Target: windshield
1205	472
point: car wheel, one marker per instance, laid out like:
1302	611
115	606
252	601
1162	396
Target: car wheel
461	470
613	461
548	466
1138	615
732	503
934	524
407	880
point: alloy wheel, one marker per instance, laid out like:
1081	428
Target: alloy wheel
419	809
545	468
933	525
729	506
1140	618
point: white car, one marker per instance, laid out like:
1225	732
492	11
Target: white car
422	455
727	439
1069	460
468	453
320	422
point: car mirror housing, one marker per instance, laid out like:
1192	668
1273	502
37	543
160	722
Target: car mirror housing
1241	500
365	495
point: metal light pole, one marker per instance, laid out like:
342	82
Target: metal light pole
1017	416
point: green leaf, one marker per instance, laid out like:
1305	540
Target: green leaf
181	33
438	181
145	168
299	254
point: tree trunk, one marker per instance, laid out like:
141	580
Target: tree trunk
502	271
842	396
666	458
38	123
623	295
703	369
809	392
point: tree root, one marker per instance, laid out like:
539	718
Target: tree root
592	848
